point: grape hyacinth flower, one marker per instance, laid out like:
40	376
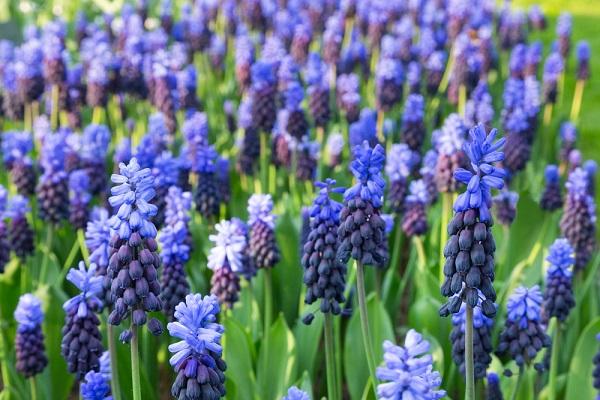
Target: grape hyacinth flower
413	77
389	77
413	127
574	159
414	221
553	67
384	245
197	359
399	165
20	235
362	227
229	110
506	203
79	186
304	228
563	31
551	197
537	19
347	96
174	254
29	340
166	174
53	190
318	90
578	223
493	387
15	147
5	246
250	149
96	140
82	341
568	136
449	145
335	147
434	71
469	252
591	167
133	262
165	84
558	296
427	172
226	260
409	370
294	393
296	125
97	83
264	250
482	340
95	387
223	181
207	196
364	129
583	52
177	245
28	70
244	57
533	58
523	336
97	237
264	107
324	273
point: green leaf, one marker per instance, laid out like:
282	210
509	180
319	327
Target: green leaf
287	275
277	370
355	360
247	311
55	379
580	382
308	347
237	345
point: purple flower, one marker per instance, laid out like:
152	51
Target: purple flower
564	24
389	69
28	313
561	258
553	67
418	192
414	109
399	163
409	371
294	95
296	394
95	387
577	184
551	174
524	305
482	152
230	242
583	51
97	236
451	137
174	247
260	208
568	132
15	146
135	188
90	285
366	169
196	327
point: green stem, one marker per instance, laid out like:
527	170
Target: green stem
518	384
54	115
135	364
264	164
577	96
32	386
469	362
115	388
68	263
268	287
82	246
329	357
462	99
46	261
446	211
4	358
364	323
554	362
97	115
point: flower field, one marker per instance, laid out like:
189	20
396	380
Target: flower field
299	199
